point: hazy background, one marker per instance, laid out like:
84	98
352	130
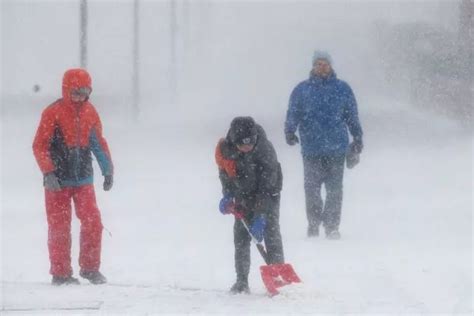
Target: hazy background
208	58
407	214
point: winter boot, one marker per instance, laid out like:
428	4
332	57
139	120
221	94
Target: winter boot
333	235
241	286
95	277
58	280
313	230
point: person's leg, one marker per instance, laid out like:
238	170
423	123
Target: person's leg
272	236
91	227
58	211
334	189
241	257
313	178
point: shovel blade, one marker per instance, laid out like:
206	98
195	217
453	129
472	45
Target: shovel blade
278	275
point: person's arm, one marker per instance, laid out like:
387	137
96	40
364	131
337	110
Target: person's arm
227	174
42	139
351	116
269	180
293	114
227	170
100	148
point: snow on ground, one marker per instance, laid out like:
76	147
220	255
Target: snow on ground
406	227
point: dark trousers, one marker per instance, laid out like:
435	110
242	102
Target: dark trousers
327	170
272	238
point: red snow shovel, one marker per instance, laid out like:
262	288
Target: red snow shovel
273	275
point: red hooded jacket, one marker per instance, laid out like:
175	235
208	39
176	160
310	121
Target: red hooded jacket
67	134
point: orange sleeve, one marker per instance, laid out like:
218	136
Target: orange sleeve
226	165
42	140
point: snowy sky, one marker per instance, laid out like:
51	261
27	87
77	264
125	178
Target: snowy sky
239	47
407	216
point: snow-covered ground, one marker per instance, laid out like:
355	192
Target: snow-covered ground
406	227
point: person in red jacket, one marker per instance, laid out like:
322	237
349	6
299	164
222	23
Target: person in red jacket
69	131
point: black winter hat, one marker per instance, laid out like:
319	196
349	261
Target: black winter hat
243	130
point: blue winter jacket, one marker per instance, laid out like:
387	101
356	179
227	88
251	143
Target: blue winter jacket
322	109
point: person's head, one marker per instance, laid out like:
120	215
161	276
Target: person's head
243	133
76	86
322	64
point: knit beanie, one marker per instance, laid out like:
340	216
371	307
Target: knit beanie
242	128
322	55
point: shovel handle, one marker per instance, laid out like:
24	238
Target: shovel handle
262	251
259	245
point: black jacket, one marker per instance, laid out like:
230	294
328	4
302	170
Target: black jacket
252	178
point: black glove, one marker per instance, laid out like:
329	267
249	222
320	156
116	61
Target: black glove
353	154
352	159
291	139
357	145
50	182
108	182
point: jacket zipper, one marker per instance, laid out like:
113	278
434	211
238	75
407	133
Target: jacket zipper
78	130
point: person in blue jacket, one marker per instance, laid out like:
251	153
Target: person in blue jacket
323	109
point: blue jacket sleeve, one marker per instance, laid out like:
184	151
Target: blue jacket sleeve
351	116
104	161
293	115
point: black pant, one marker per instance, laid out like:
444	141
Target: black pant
330	171
272	238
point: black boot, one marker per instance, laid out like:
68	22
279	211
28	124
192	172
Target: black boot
333	235
241	286
95	277
313	230
58	280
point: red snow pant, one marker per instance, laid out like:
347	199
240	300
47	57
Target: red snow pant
58	210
